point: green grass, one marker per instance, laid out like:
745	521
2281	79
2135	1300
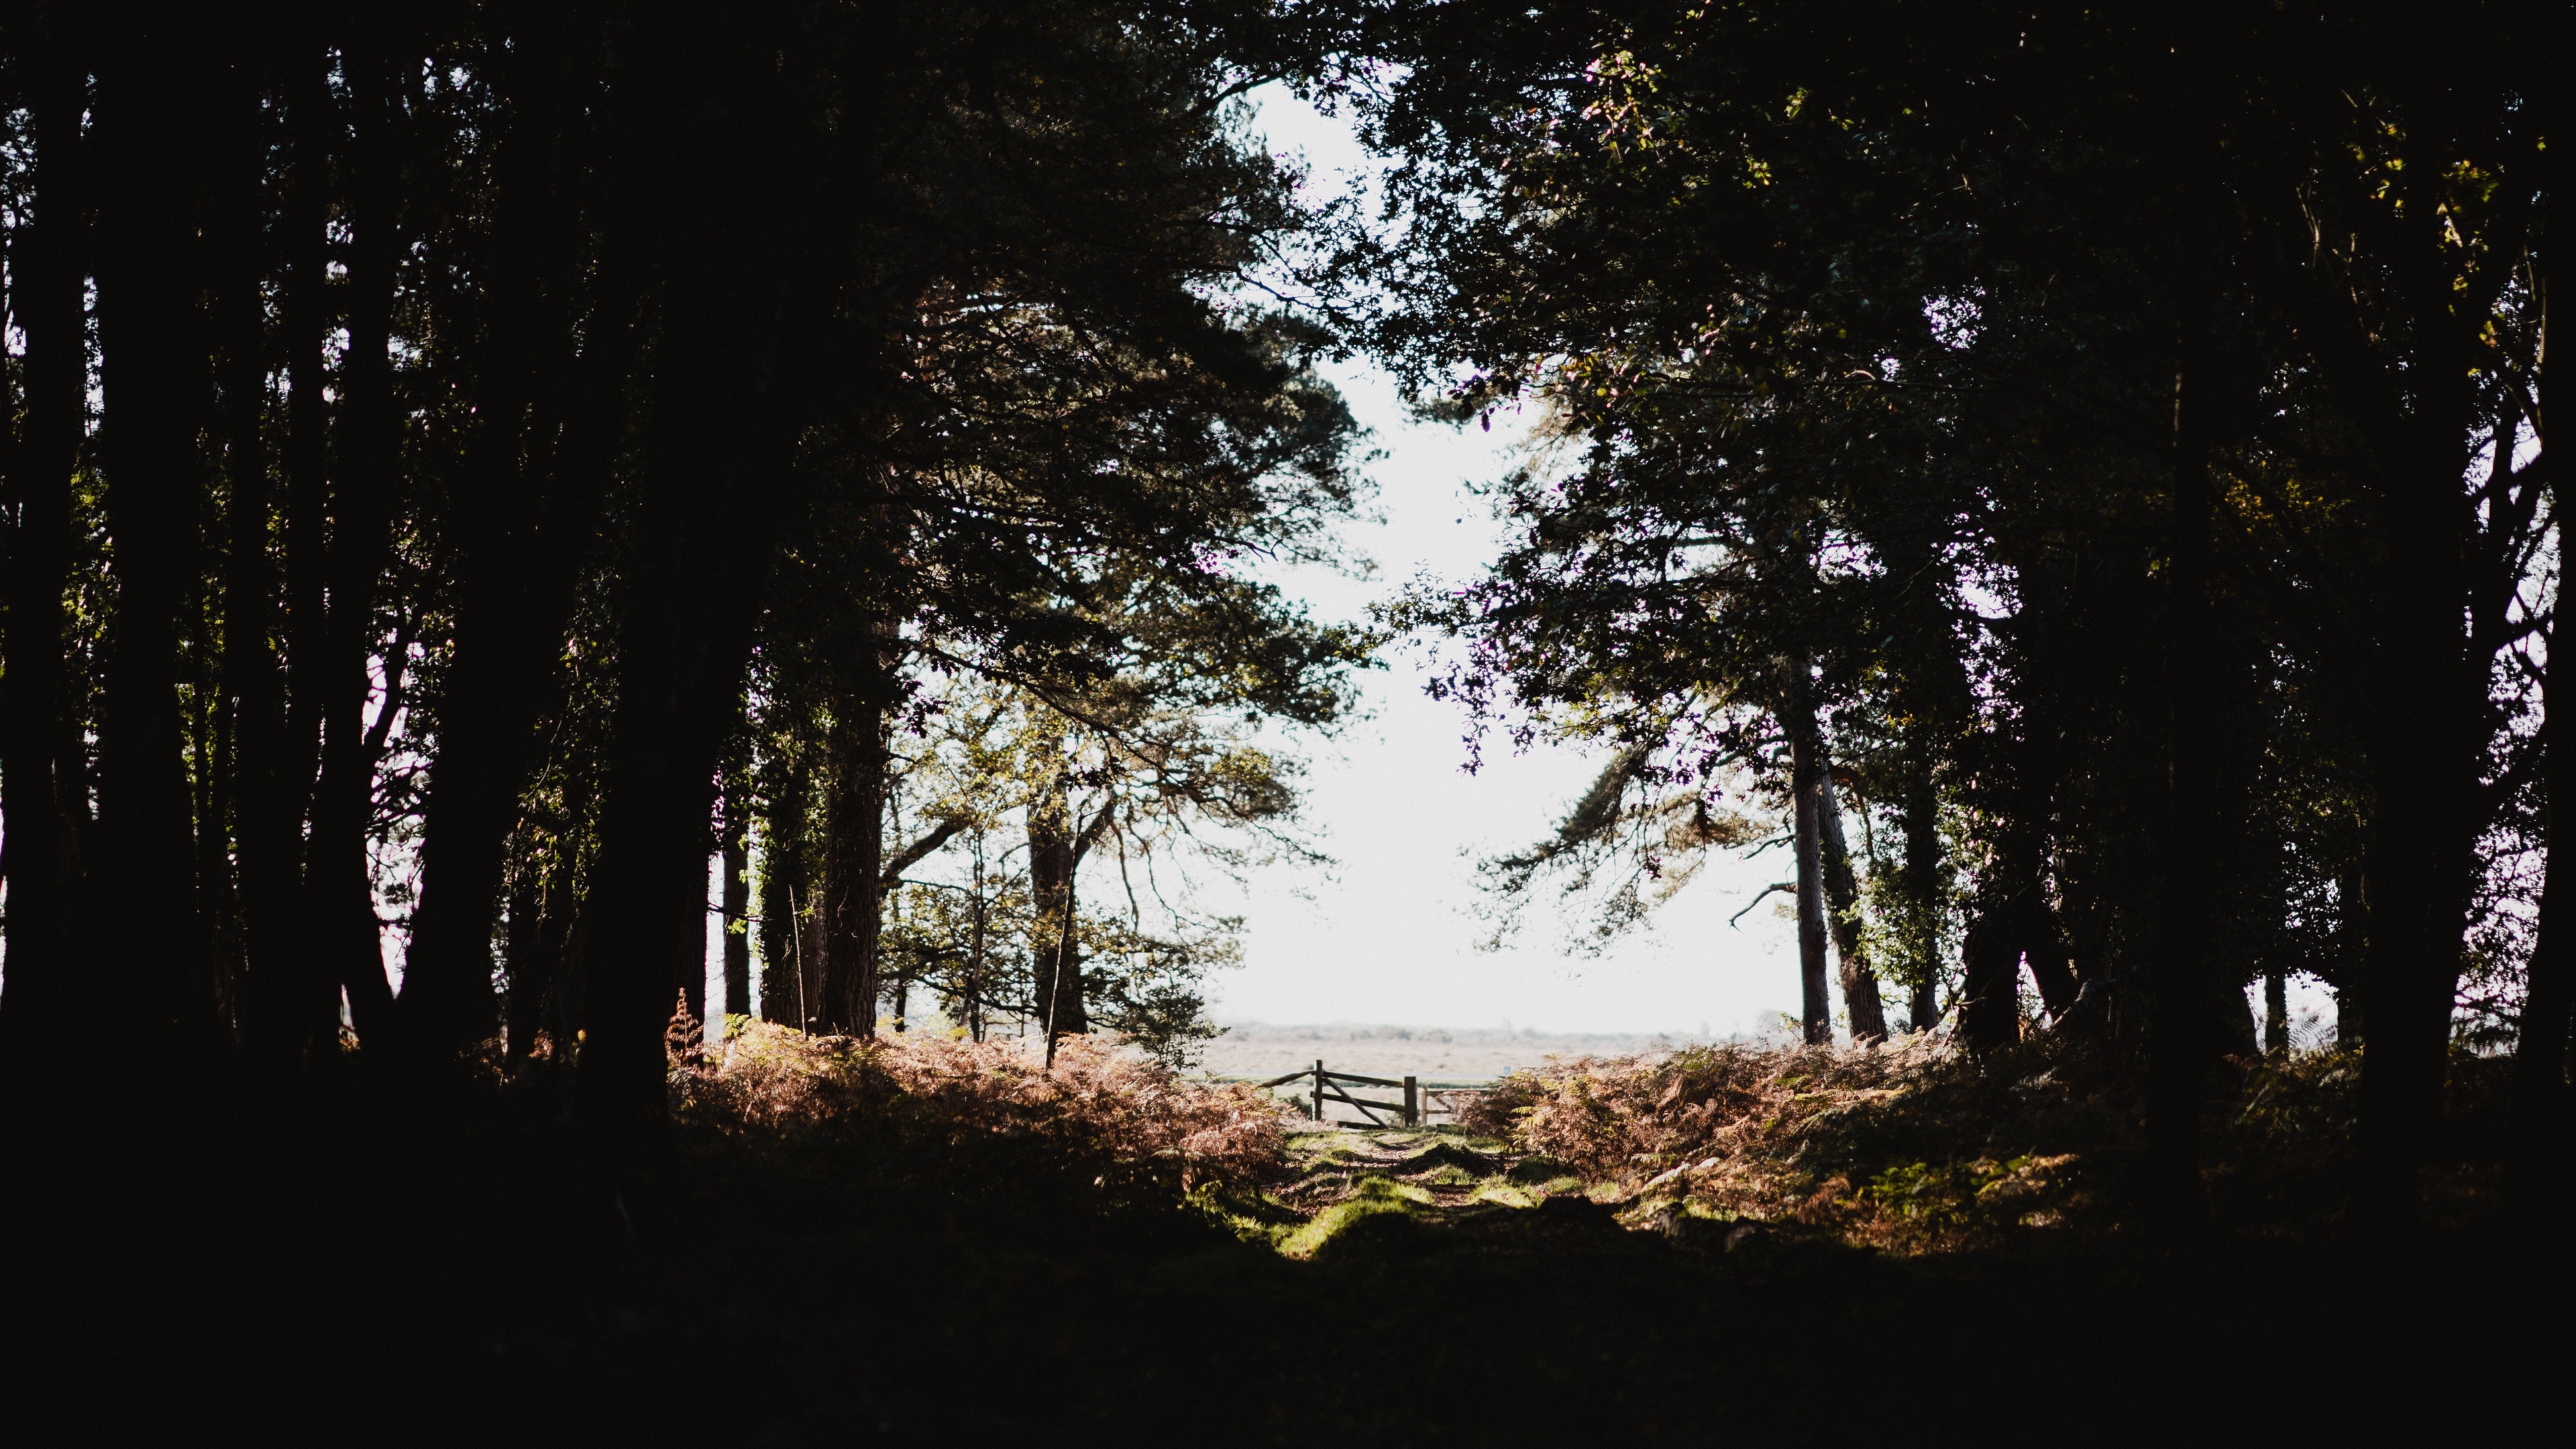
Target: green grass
1371	1196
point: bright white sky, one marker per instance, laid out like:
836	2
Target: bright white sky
1389	936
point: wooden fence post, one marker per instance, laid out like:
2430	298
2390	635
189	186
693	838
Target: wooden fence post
1319	1089
1411	1117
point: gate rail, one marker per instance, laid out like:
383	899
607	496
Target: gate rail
1328	1086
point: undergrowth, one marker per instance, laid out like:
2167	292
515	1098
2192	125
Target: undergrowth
1130	1120
1912	1147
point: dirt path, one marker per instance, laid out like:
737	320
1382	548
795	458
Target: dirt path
1354	1190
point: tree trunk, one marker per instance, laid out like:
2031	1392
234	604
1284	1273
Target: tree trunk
2276	1010
339	892
2426	746
1936	697
520	561
737	903
545	989
2034	916
1990	993
975	944
786	891
209	731
2352	935
706	511
1806	786
523	968
42	847
691	595
1055	952
2536	1170
2031	793
706	514
295	1008
156	387
853	863
1842	895
2179	1045
267	800
1925	910
691	592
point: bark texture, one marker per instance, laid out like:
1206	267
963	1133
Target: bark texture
157	391
528	519
2179	1043
736	867
1806	786
1842	898
786	893
40	821
339	895
854	866
707	512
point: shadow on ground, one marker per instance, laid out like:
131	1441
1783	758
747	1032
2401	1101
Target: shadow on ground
469	1274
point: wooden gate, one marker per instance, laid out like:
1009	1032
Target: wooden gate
1326	1086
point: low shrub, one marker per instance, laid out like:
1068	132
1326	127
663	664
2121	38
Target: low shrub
1912	1146
1134	1116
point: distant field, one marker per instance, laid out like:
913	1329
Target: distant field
1446	1054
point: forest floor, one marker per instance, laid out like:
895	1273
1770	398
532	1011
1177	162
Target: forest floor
383	1262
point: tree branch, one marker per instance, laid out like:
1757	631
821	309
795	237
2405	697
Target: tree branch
913	854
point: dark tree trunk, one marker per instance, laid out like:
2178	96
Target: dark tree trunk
1990	993
854	865
2034	918
976	943
2031	792
786	892
1923	904
2044	950
1934	687
339	893
2426	745
1055	948
209	731
42	851
2536	1171
2536	1161
157	392
690	593
706	511
693	974
267	796
2276	1010
737	903
524	967
2351	948
1806	788
294	1010
1842	895
519	564
2180	1045
545	987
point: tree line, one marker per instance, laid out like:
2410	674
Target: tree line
2104	445
475	465
469	464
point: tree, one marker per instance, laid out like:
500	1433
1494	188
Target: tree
2038	305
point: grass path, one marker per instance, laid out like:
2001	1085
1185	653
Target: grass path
1354	1190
